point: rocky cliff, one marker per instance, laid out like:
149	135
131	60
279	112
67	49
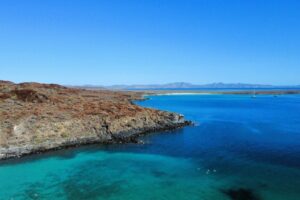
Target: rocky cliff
39	117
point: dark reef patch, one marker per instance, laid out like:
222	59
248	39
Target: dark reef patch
241	194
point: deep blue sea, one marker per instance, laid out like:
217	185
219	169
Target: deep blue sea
238	143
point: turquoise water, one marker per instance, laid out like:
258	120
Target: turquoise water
238	142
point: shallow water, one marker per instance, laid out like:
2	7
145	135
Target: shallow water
238	142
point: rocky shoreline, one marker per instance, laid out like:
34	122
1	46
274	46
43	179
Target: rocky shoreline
37	117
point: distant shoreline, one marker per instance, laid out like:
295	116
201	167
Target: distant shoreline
236	92
184	93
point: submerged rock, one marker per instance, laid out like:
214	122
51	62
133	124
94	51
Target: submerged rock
241	194
39	117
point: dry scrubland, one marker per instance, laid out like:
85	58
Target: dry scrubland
38	117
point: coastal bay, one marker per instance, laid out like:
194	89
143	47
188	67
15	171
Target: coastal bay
239	148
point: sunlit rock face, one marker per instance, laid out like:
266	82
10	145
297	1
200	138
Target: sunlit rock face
38	117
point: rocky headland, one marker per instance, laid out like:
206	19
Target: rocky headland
38	117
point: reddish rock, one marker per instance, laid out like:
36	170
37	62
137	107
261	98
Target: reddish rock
38	117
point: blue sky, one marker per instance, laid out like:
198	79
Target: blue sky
150	41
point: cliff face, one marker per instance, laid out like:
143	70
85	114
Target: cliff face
38	117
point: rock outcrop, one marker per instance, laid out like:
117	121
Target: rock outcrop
39	117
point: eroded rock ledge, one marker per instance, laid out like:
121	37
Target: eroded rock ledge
40	117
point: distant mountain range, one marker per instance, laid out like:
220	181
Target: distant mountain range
184	85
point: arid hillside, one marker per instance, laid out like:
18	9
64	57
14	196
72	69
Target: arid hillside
38	117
